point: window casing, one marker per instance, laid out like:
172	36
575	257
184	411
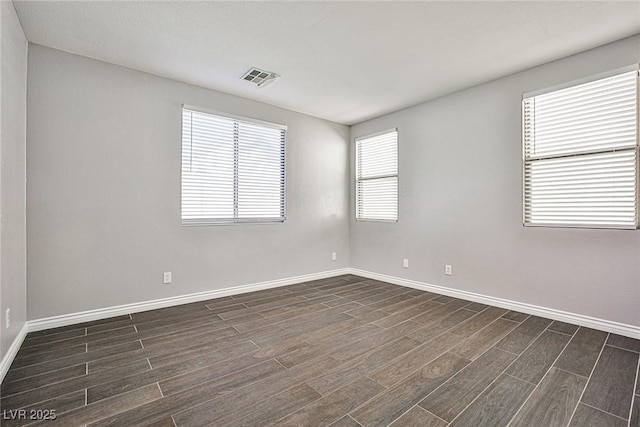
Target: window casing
377	177
233	169
580	154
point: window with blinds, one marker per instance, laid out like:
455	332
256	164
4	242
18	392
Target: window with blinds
377	177
580	152
233	170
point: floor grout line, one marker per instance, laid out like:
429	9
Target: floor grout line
280	363
496	378
572	373
158	384
551	366
604	344
559	332
428	411
519	379
636	390
622	348
42	373
102	340
603	411
76	378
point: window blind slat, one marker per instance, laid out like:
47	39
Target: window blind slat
572	189
377	177
603	112
232	171
580	154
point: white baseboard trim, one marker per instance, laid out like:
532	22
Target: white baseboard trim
7	360
103	313
550	313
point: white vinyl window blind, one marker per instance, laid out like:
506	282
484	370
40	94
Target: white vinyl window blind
377	177
233	170
580	152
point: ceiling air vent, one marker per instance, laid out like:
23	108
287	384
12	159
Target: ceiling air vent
260	77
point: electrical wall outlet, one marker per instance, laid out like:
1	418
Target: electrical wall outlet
405	263
448	270
7	318
166	277
334	256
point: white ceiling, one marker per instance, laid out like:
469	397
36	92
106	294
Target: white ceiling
342	61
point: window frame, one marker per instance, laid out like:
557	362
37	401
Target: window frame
611	73
397	175
235	220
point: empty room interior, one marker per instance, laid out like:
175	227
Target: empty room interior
320	213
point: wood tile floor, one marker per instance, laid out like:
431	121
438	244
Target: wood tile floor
343	351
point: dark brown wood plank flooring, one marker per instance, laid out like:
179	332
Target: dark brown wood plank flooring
343	351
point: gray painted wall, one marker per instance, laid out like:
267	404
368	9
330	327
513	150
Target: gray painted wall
460	204
104	191
13	94
103	197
